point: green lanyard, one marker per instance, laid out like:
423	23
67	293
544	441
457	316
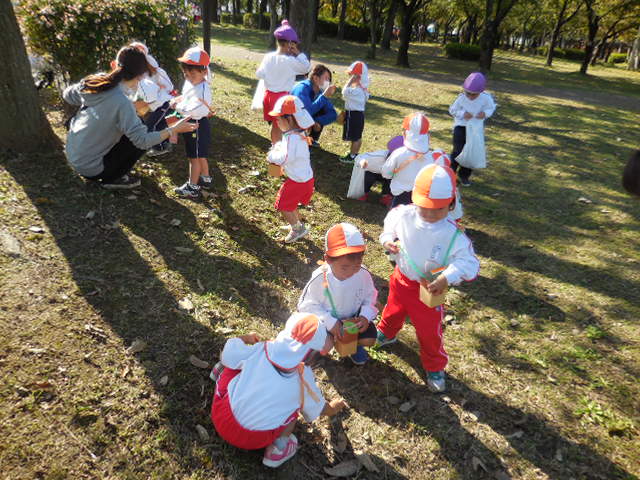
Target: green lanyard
327	293
413	265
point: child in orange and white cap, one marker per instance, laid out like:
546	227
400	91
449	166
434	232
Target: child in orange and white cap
356	94
265	385
404	163
195	103
292	154
342	289
424	241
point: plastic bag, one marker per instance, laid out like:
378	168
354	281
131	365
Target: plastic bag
373	160
457	212
473	154
356	185
258	97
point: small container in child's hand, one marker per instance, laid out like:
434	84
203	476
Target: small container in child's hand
350	327
348	344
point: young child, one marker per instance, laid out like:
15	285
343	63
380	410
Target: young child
195	103
474	102
264	386
356	94
279	70
342	289
155	91
422	239
292	154
372	173
403	165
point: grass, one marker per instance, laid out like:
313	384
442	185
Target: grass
543	346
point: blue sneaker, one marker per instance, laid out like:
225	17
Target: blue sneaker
360	357
382	340
435	381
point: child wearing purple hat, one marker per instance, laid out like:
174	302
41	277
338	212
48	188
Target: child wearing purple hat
278	70
472	103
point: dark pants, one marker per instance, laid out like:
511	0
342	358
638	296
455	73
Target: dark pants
119	161
459	139
155	122
403	199
371	178
316	135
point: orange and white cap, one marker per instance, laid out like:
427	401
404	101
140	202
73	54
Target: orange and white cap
435	187
360	68
195	56
292	105
302	333
441	158
416	127
342	239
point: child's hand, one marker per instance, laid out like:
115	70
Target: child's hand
336	331
250	338
438	285
481	115
467	116
334	406
183	126
331	89
362	323
391	247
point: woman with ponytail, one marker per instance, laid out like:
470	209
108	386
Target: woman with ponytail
106	137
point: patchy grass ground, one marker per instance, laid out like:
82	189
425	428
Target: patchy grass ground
544	345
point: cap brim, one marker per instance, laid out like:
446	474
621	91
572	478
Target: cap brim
304	119
425	202
338	252
419	145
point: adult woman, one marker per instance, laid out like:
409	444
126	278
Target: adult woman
314	93
106	137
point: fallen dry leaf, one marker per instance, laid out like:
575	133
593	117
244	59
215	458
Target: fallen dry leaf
366	462
164	380
476	463
90	214
36	229
341	444
137	346
202	433
343	469
183	249
185	304
175	222
196	362
200	286
406	406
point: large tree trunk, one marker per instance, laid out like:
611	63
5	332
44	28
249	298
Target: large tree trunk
388	25
23	125
286	8
206	25
402	60
273	22
634	55
249	6
215	18
594	23
373	28
262	9
316	12
554	37
302	18
343	17
487	45
334	8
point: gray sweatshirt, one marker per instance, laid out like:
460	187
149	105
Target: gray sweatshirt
95	129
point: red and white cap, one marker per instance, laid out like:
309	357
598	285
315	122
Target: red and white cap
360	68
144	49
342	239
441	158
416	128
292	105
195	56
435	187
302	333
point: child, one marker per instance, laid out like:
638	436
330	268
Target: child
195	103
155	91
264	386
292	153
422	238
403	165
342	289
474	102
279	70
356	94
372	173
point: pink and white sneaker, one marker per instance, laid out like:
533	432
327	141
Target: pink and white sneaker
274	457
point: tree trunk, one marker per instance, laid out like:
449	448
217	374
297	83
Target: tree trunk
594	23
388	25
206	25
334	8
343	16
554	36
286	8
23	125
249	6
634	55
402	60
487	45
316	12
214	11
302	18
373	28
262	9
273	22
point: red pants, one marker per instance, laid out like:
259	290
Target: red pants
404	299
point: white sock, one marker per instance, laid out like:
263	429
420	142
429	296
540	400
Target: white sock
281	443
206	178
297	226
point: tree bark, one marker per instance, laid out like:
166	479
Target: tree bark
634	55
334	8
262	9
23	125
373	27
215	18
343	16
593	24
249	6
385	44
302	18
286	8
402	60
316	12
206	25
273	22
493	19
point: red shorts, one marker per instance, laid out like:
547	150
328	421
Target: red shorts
269	101
291	194
228	427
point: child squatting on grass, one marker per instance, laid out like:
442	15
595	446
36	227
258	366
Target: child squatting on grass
291	153
342	289
431	252
265	385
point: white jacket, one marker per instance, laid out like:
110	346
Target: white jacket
292	152
403	180
279	71
483	103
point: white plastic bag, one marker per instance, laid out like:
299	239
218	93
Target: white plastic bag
372	161
356	185
473	154
258	97
457	212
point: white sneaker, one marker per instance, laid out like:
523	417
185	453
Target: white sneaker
274	457
296	234
285	228
436	382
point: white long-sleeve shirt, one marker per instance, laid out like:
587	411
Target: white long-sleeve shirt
355	98
155	89
194	100
279	71
261	397
427	243
353	297
403	180
483	103
292	152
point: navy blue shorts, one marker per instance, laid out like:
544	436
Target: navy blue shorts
197	143
370	332
353	126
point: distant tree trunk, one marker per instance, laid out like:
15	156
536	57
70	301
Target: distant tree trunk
262	9
286	8
490	37
633	62
343	16
373	27
388	25
302	18
334	8
206	25
23	125
249	6
593	23
273	22
215	18
316	12
402	60
235	10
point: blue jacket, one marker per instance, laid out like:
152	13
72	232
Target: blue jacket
318	106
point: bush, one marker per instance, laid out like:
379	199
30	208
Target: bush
328	27
84	36
251	20
226	18
566	53
462	51
617	58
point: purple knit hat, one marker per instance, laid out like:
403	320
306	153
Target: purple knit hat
286	32
475	83
395	143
